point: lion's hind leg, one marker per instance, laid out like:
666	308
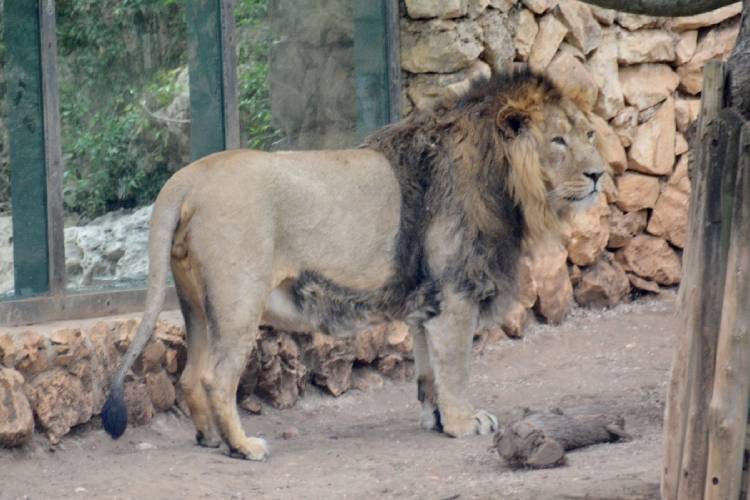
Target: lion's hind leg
233	318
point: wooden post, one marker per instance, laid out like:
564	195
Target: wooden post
729	403
694	355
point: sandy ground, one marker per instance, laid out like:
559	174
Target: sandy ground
369	445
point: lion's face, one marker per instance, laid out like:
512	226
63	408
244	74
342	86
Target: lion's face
569	158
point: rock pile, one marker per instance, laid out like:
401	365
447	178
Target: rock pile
56	380
641	75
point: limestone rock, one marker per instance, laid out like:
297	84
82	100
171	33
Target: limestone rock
589	233
634	22
151	359
539	6
526	31
643	285
160	390
646	46
604	284
670	216
366	379
686	112
605	71
609	144
572	77
498	43
680	144
555	292
7	350
636	191
706	19
514	320
67	345
716	44
686	46
551	34
645	85
605	16
418	9
439	46
33	356
652	151
252	404
477	8
502	5
281	374
16	419
652	258
433	90
138	402
624	226
329	361
584	31
369	343
397	339
625	124
395	366
59	401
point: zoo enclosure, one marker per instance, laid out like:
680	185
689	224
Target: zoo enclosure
36	160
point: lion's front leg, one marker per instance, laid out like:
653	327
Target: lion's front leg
429	417
449	338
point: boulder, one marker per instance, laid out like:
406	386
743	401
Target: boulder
420	9
539	6
686	112
716	44
160	390
605	16
625	124
502	5
670	216
395	366
439	46
366	379
589	233
32	357
546	43
652	151
604	284
279	373
428	91
643	285
526	31
572	77
329	361
60	402
67	345
635	22
555	292
686	46
681	145
477	8
624	226
645	85
138	402
702	20
498	42
16	418
584	31
636	191
651	258
369	343
609	144
605	71
7	350
645	46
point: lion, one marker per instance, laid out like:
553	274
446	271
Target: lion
424	223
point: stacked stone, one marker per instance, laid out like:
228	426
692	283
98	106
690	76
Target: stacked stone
52	380
642	77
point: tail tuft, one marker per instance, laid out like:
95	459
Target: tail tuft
114	412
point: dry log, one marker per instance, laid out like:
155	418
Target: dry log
540	439
729	403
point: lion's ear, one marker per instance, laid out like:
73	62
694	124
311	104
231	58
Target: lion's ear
511	121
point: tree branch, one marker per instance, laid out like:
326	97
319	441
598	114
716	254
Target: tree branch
666	8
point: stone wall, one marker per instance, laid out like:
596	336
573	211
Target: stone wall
641	75
56	377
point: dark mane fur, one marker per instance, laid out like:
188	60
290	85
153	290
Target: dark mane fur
448	162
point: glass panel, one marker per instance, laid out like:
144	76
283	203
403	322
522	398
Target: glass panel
6	224
124	107
295	67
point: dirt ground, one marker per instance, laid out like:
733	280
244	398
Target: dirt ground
369	445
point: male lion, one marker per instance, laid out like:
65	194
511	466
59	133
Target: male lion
424	223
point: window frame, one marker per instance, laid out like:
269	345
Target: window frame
32	68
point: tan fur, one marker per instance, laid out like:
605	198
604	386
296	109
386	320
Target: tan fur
247	223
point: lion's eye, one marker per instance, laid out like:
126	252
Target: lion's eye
559	140
590	134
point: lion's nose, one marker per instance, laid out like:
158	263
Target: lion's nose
594	176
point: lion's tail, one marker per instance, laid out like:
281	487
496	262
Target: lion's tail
164	221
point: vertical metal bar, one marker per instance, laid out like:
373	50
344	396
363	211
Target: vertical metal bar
393	39
27	148
371	68
52	146
210	29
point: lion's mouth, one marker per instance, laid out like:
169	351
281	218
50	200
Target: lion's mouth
586	196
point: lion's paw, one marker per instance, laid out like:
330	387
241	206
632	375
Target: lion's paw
207	441
429	420
251	449
481	422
